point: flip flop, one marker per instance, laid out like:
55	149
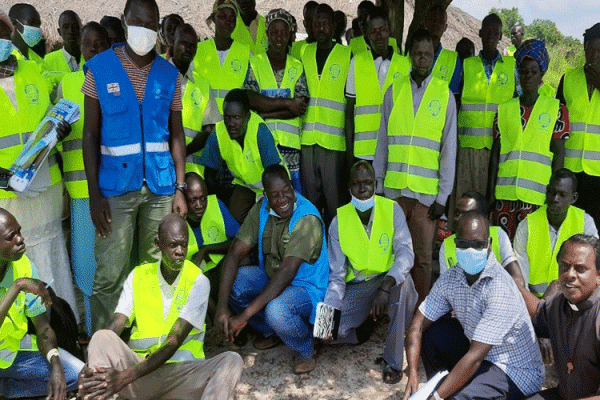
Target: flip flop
389	375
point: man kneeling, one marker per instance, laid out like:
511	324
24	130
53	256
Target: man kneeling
278	298
165	357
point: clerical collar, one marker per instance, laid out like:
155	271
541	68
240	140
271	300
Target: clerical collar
573	306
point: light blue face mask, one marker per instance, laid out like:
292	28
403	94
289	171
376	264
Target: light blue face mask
472	261
6	48
363	205
31	35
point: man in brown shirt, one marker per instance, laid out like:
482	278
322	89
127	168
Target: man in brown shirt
278	297
570	320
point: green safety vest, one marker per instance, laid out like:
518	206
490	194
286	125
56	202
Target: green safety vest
378	256
414	141
450	247
14	328
543	267
195	100
525	164
510	50
212	227
480	100
445	65
547	90
152	328
298	49
72	146
242	35
285	131
325	117
367	111
359	44
57	66
582	150
222	78
16	125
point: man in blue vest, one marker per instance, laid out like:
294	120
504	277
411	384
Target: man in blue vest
278	297
134	151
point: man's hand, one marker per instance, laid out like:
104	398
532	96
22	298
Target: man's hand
436	211
57	387
411	386
297	106
100	211
200	256
236	324
379	307
179	204
100	384
546	350
36	287
63	129
222	321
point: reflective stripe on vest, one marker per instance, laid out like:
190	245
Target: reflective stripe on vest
286	132
72	153
582	150
152	330
377	257
367	111
325	118
16	124
241	34
450	247
222	78
445	65
525	157
415	140
480	100
212	229
14	328
543	267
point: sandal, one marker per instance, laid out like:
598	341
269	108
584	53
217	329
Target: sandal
389	375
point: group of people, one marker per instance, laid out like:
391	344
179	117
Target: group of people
250	176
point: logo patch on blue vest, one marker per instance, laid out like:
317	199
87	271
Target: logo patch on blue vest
435	108
335	70
32	93
384	242
544	120
114	88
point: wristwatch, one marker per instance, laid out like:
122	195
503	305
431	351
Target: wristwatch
181	186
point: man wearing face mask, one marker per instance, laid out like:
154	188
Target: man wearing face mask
370	256
27	36
490	348
133	149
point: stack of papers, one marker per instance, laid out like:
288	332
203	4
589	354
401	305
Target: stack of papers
327	321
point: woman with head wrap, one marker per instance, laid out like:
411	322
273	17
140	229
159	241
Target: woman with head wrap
529	134
579	89
278	91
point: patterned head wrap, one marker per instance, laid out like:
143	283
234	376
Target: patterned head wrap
536	50
6	20
280	14
225	3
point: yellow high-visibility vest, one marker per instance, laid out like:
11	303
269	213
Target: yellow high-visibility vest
480	100
285	131
17	124
241	34
325	117
450	247
525	164
195	100
445	65
14	328
367	111
582	150
212	227
378	256
415	140
152	327
298	48
56	66
222	78
542	257
359	44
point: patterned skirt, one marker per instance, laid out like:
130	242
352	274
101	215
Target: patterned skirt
291	157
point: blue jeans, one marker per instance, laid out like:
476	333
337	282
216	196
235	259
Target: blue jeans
29	373
287	315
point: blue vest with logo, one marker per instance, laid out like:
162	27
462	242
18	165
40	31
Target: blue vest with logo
134	141
313	277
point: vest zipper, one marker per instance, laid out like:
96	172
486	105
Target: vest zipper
143	146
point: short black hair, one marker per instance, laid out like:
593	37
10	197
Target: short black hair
491	19
69	13
419	35
166	17
580	238
239	96
310	5
186	28
482	203
592	33
326	9
195	177
473	214
366	5
93	25
356	166
151	3
277	170
378	12
19	10
565	173
114	23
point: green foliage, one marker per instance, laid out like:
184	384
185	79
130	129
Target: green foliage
546	31
562	58
509	17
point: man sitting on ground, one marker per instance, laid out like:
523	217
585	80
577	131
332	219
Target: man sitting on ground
370	257
278	297
490	347
165	356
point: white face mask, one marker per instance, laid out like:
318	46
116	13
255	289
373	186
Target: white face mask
141	40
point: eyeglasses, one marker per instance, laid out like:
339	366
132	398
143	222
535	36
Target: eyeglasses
471	244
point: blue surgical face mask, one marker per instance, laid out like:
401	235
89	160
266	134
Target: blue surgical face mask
472	261
31	35
363	205
5	49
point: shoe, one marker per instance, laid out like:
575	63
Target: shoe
389	375
264	343
303	366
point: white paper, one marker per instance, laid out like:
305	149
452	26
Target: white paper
428	388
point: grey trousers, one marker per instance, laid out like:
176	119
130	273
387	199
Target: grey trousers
357	304
210	379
